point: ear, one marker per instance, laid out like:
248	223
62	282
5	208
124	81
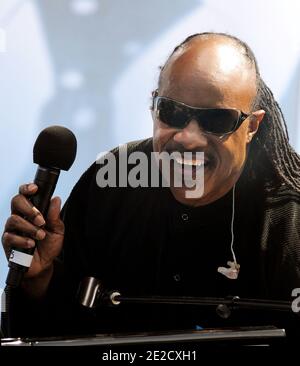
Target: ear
255	120
153	114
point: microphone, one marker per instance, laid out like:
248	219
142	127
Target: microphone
54	150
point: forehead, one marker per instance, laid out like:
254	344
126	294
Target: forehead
210	73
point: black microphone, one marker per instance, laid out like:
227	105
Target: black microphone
54	150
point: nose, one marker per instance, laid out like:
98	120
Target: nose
191	137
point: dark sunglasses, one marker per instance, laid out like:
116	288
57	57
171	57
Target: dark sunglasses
217	121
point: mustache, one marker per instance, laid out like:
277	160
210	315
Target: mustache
179	148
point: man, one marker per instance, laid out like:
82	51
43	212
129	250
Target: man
240	237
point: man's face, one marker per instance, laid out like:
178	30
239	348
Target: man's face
209	74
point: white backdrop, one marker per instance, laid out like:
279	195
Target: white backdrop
91	65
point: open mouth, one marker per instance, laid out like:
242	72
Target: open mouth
189	167
193	161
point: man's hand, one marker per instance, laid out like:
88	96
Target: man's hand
27	224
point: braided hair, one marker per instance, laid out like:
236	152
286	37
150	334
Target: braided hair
271	157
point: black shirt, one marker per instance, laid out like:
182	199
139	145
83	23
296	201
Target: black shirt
141	241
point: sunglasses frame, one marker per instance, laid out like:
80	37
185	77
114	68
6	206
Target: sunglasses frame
241	115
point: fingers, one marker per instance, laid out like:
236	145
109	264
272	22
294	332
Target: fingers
54	223
54	209
16	224
26	225
28	189
23	227
12	237
10	240
13	240
22	206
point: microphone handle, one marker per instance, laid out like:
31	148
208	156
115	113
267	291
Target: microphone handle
20	259
45	179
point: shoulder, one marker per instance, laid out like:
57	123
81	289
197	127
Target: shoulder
282	211
88	179
144	145
282	196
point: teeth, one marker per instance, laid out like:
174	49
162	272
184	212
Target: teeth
188	162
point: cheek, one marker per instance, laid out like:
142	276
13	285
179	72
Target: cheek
234	151
161	135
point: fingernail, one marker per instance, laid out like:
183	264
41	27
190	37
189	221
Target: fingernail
58	200
31	187
30	243
39	221
40	234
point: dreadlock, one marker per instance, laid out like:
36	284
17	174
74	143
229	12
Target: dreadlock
271	157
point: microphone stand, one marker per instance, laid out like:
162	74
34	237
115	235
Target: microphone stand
91	294
223	305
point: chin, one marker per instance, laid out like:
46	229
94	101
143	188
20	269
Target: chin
188	196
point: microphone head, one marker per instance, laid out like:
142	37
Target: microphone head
55	147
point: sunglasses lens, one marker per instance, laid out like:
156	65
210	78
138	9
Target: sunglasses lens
218	121
172	114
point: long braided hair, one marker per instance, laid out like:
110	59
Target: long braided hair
271	157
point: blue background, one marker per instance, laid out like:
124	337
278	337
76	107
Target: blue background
91	65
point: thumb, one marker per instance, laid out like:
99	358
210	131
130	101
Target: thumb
54	223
